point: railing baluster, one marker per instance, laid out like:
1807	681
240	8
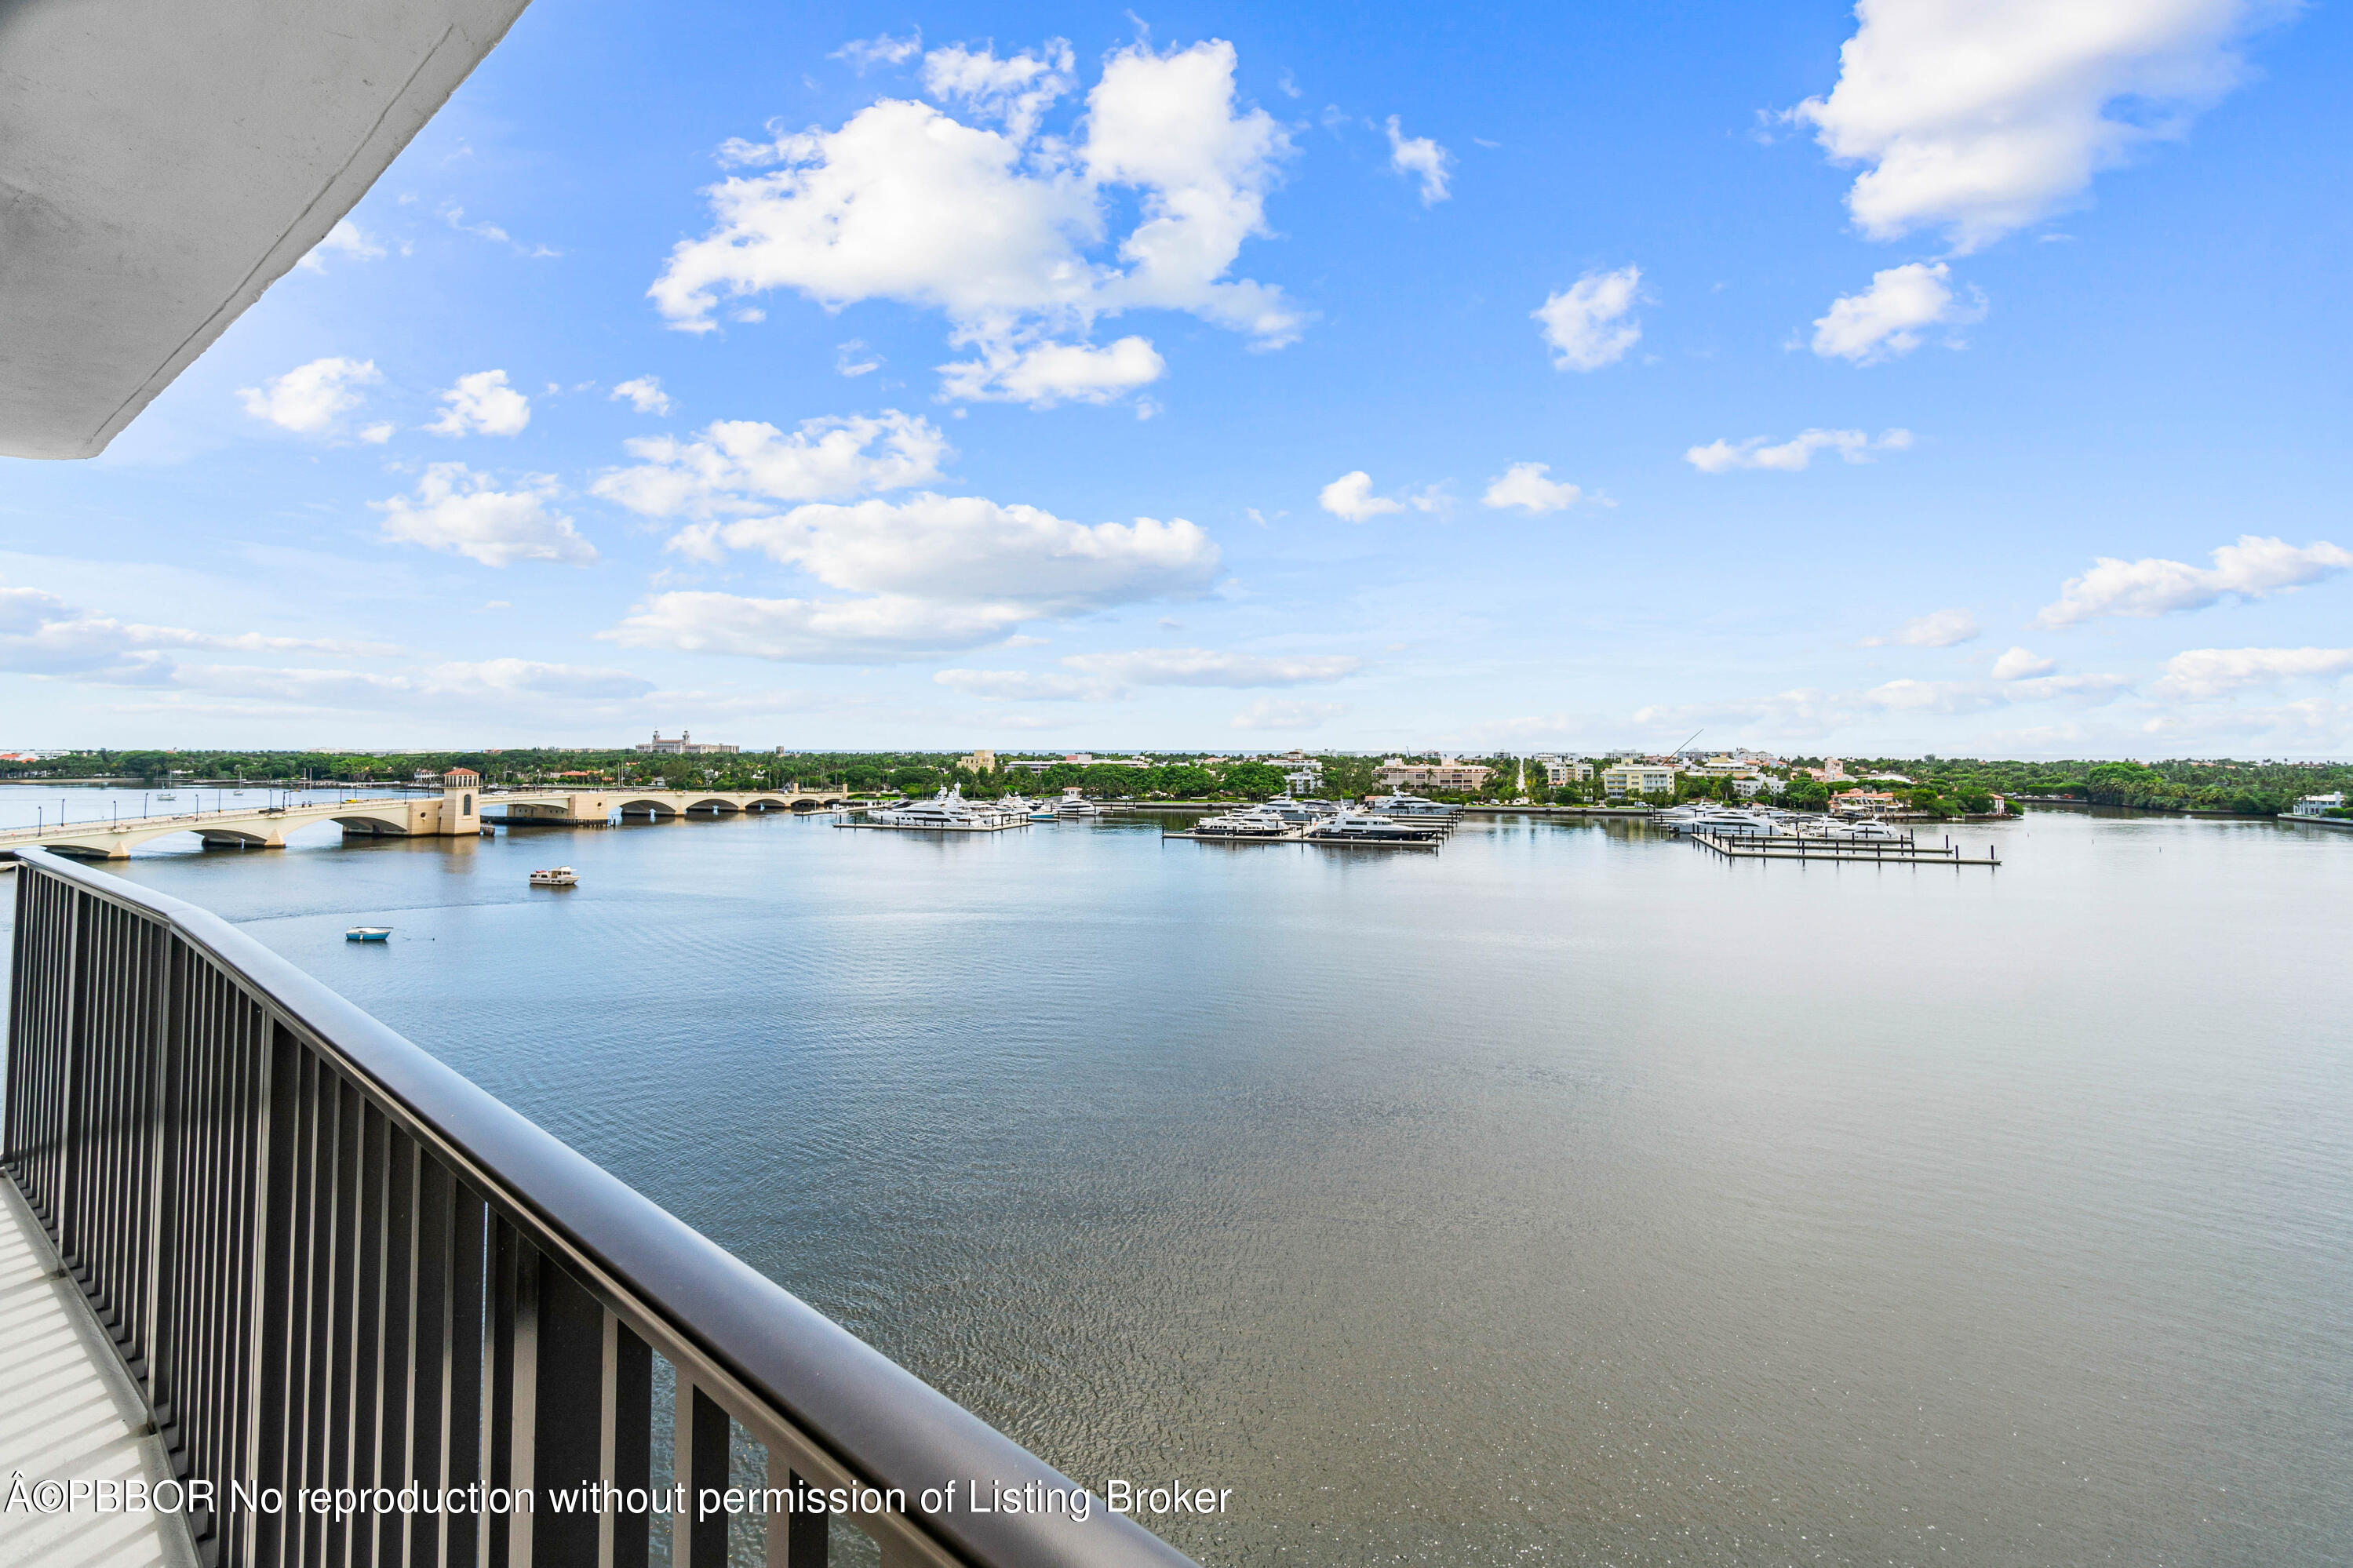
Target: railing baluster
563	1426
624	1444
795	1540
701	1462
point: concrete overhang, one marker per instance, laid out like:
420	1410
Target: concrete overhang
164	162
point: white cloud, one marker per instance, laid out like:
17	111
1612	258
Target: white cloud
308	399
1587	324
881	50
2019	664
42	634
1943	628
941	575
1795	454
2210	672
1048	373
1419	158
1202	667
1979	118
966	549
852	358
2253	568
1884	321
378	434
644	395
1350	499
1285	713
346	240
483	401
1014	91
1007	233
738	465
457	509
1524	486
814	631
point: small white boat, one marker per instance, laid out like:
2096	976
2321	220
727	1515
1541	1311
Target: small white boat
561	876
368	933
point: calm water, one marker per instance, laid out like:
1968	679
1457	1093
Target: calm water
1569	1196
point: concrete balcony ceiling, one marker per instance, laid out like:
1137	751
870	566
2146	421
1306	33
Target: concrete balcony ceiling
162	163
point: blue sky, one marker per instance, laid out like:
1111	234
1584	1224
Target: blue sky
1930	378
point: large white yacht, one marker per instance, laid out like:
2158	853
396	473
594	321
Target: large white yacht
1247	822
948	812
1074	804
1398	804
1368	827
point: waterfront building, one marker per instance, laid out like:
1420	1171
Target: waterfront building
1861	801
1637	778
686	745
1559	770
1449	776
2319	804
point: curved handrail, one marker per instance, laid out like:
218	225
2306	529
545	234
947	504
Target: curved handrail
878	1420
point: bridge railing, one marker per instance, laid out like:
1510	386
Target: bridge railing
331	1262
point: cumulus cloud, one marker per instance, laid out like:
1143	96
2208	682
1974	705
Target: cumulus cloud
880	629
1350	499
496	683
737	465
644	395
1524	486
1794	455
308	398
1421	159
970	550
1588	324
1045	374
457	509
41	634
1886	320
2201	674
2253	568
1287	714
881	50
940	574
1005	230
346	240
2019	664
1014	91
482	402
1943	628
1978	119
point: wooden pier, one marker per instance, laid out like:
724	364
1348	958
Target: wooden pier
1797	847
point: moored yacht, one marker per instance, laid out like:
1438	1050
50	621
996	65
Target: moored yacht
1368	827
1248	822
946	812
1398	804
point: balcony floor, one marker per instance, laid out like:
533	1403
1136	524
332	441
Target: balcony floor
68	1411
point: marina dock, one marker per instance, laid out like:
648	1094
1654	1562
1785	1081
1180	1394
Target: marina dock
1801	846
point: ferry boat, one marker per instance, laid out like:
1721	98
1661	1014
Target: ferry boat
560	877
368	933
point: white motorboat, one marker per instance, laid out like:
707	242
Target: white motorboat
559	877
1074	804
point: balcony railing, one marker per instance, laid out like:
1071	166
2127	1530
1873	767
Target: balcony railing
331	1262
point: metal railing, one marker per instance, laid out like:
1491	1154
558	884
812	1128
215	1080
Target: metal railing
331	1262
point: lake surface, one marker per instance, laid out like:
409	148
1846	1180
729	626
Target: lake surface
1569	1196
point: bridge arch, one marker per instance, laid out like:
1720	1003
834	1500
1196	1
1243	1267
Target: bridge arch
716	805
642	807
371	827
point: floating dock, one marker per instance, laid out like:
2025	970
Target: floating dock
1806	847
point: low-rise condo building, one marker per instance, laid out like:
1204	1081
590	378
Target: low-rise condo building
1637	778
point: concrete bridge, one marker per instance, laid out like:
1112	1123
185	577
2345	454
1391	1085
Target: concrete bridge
457	814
